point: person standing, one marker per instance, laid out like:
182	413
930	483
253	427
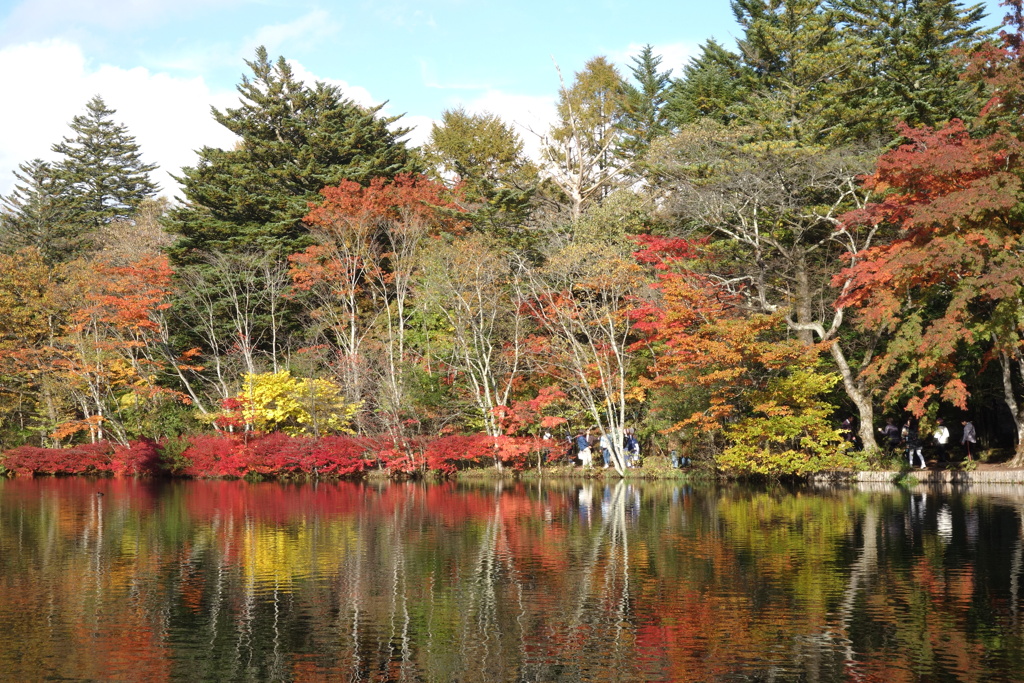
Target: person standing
941	437
606	449
583	448
846	429
913	444
891	434
969	438
632	448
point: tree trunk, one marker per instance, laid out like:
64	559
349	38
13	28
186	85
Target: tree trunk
860	398
1006	362
802	305
855	389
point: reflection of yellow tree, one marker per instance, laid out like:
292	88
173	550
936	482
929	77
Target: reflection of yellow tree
277	556
439	583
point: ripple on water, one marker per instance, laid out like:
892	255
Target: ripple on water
224	582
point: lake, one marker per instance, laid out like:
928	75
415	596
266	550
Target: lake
553	581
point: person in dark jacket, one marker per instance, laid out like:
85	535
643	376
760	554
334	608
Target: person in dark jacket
913	444
891	434
969	438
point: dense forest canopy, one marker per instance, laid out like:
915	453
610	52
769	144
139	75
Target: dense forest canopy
820	221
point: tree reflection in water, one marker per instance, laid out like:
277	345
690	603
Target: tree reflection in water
546	581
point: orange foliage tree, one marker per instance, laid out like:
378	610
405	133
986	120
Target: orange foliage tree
746	380
583	299
114	346
954	277
33	306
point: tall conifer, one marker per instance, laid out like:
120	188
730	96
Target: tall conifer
102	170
711	86
643	115
918	48
38	213
294	141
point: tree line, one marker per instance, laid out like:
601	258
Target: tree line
821	220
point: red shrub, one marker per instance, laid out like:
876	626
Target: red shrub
139	457
397	456
211	456
275	455
338	456
92	458
520	452
448	454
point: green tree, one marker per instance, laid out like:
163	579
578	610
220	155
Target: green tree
581	150
102	170
916	64
643	116
294	140
768	188
485	156
711	86
951	282
804	72
770	211
38	214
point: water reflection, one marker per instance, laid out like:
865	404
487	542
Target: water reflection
537	582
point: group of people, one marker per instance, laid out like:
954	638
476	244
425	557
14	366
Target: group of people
585	442
909	438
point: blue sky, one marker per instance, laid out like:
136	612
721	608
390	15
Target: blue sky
162	64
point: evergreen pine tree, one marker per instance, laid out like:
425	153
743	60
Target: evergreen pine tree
804	74
711	86
39	214
917	65
643	115
295	140
102	170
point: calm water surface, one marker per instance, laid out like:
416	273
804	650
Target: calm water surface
227	581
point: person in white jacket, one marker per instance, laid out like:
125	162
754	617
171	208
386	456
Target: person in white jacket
941	437
606	449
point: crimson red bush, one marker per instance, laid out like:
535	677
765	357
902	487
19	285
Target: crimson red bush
338	456
103	457
279	455
274	455
449	454
140	457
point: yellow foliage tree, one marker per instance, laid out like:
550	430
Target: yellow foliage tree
277	401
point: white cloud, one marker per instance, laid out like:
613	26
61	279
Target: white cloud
421	126
48	83
307	29
356	93
531	115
